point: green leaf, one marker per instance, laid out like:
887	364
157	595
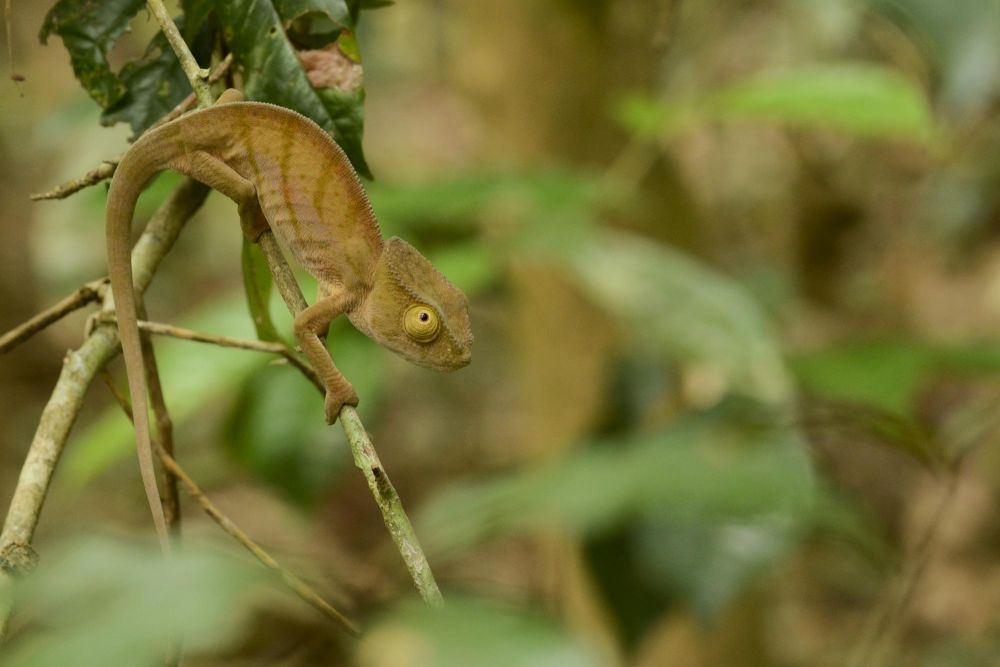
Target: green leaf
471	632
882	374
565	199
98	602
257	282
274	73
89	29
854	98
699	467
277	431
156	83
685	309
861	99
708	563
336	11
469	266
885	374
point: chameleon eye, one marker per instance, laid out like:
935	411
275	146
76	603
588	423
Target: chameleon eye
421	323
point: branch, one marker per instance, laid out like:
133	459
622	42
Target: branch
299	587
195	74
87	294
158	329
362	449
78	371
164	433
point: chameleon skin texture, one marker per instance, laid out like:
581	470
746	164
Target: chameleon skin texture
288	176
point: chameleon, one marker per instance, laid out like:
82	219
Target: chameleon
287	176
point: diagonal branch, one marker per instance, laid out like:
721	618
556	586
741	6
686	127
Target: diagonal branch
78	371
362	449
299	587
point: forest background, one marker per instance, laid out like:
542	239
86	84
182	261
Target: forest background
734	270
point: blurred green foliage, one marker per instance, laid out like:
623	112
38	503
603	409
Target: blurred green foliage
107	601
647	436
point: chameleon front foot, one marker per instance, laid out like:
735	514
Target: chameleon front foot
336	399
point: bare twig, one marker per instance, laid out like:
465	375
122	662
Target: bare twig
78	371
92	177
889	617
196	75
164	432
362	449
158	329
87	294
297	585
107	168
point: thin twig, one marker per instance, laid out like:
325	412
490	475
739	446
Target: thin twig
104	171
195	73
889	617
87	294
107	168
362	449
164	432
78	371
159	329
297	585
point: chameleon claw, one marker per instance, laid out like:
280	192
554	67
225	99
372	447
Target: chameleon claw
337	400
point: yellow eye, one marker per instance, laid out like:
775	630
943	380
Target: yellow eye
421	323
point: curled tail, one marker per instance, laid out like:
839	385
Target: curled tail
135	169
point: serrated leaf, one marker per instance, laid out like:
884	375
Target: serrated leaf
273	72
89	30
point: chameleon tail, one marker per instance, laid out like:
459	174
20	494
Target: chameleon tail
130	177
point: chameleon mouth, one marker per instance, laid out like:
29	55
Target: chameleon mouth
460	359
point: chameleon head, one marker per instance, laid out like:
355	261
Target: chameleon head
414	311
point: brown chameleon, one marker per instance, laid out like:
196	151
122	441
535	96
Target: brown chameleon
288	176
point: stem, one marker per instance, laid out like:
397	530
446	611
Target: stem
362	449
164	431
159	329
299	587
195	74
78	371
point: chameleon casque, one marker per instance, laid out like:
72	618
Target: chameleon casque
288	176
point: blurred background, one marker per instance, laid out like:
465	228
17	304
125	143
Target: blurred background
734	271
